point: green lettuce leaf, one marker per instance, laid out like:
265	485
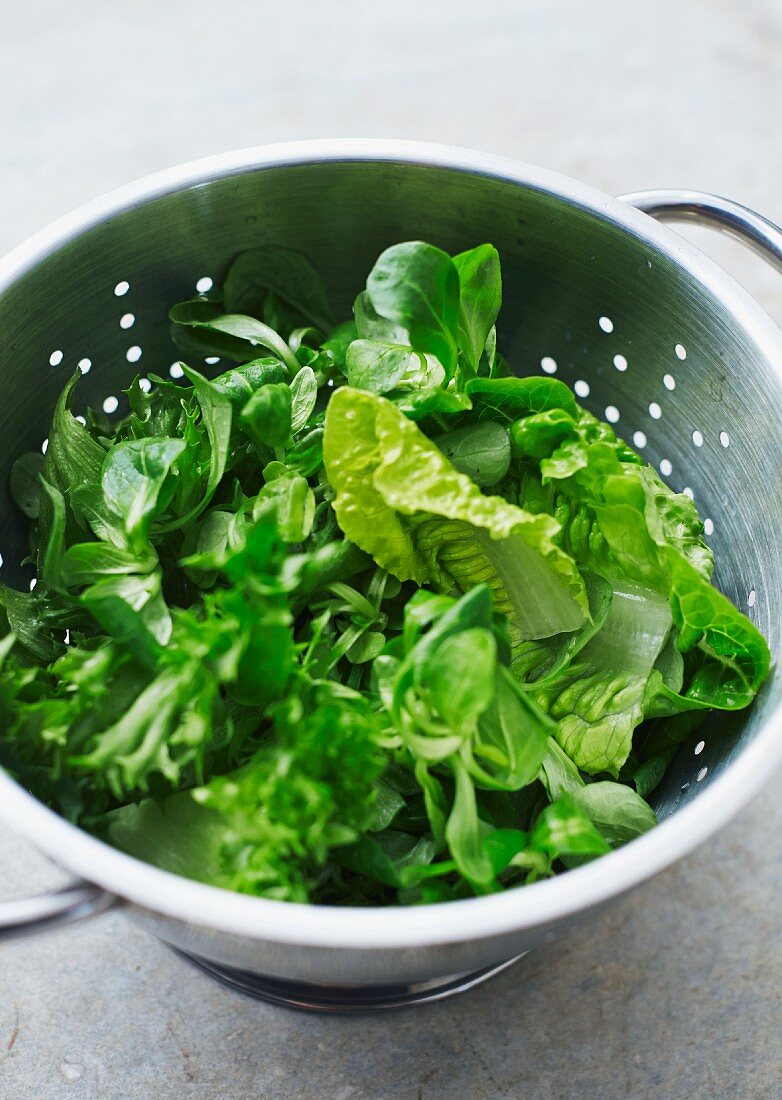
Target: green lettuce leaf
310	790
416	286
132	480
628	524
286	273
541	661
617	811
599	699
537	436
432	401
510	398
400	500
480	298
732	657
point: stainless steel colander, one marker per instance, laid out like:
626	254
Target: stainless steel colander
652	336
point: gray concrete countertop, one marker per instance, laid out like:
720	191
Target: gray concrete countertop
674	992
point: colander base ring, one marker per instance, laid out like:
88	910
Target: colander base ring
348	999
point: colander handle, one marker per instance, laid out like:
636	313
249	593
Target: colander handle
738	221
45	912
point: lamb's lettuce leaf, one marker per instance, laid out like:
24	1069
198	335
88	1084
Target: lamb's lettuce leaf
233	335
24	483
381	367
618	812
482	451
177	834
480	298
282	272
240	383
457	707
416	286
132	480
371	326
510	398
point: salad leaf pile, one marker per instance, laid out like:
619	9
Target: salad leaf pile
356	615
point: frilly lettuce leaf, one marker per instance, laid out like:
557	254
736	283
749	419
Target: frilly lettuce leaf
400	499
269	826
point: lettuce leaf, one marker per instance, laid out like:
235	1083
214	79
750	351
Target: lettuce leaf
416	286
618	812
459	710
402	501
480	298
624	522
599	699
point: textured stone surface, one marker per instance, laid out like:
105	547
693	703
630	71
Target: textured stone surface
674	992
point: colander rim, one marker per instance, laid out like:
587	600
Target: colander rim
514	910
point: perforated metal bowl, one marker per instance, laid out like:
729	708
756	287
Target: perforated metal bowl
651	334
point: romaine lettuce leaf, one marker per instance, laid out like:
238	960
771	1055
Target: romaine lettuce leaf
401	500
624	522
733	658
599	699
636	513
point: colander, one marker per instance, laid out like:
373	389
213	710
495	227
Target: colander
651	335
